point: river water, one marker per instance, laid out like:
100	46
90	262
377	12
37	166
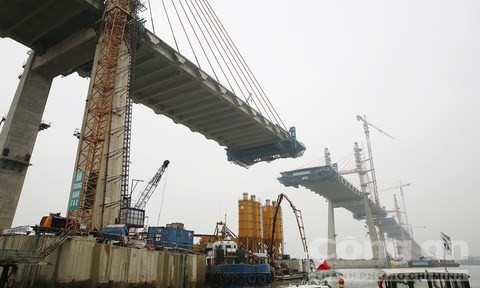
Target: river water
367	278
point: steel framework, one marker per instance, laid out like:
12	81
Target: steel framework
99	112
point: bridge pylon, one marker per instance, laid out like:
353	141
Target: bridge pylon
18	135
377	250
332	236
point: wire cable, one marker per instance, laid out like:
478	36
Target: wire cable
245	66
151	16
215	42
225	48
163	197
170	24
186	34
209	46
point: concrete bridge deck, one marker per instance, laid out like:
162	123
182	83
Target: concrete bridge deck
326	182
63	33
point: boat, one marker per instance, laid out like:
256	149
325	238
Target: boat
421	277
431	262
321	276
322	279
329	278
231	266
287	277
283	272
449	263
309	285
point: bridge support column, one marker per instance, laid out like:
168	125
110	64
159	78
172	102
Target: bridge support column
372	231
332	242
18	137
107	196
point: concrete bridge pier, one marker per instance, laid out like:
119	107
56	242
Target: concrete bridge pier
332	242
18	136
372	231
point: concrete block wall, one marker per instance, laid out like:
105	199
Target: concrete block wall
81	262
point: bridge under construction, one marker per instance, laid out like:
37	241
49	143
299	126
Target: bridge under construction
327	181
64	37
107	42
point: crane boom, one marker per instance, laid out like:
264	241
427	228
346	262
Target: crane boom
151	186
396	187
365	122
400	187
378	208
298	217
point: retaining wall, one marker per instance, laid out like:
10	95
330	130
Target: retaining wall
81	262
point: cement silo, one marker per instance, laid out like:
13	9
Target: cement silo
257	218
249	224
268	211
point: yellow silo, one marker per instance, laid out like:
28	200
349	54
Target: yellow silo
245	220
267	212
250	224
257	220
268	215
278	237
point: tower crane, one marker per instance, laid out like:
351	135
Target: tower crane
378	208
400	187
399	248
397	211
151	186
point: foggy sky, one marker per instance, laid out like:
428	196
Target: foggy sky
412	67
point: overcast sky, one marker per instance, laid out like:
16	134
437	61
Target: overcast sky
412	67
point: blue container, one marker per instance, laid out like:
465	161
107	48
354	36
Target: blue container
115	232
170	237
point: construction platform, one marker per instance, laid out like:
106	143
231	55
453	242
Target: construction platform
83	262
64	35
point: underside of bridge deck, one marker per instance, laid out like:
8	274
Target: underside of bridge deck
326	182
64	34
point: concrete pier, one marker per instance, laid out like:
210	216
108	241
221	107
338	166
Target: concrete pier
332	242
18	136
81	262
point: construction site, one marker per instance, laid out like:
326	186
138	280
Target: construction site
103	239
107	42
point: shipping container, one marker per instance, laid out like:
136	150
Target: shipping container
169	237
115	232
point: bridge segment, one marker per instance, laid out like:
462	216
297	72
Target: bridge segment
63	36
328	183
